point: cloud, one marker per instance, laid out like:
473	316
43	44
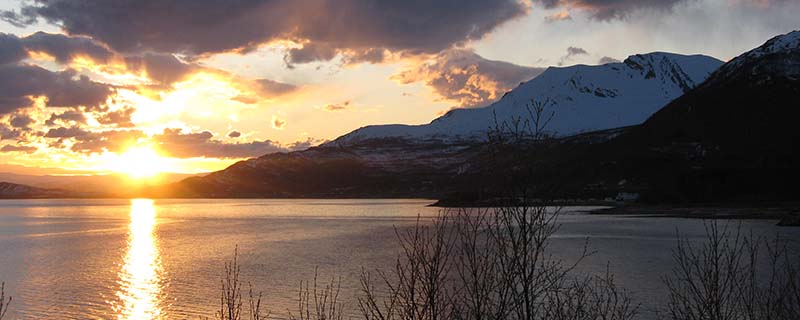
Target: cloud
574	51
120	118
462	76
323	27
11	49
310	52
607	60
571	52
63	89
66	132
111	140
273	88
13	148
234	134
337	106
8	133
190	145
610	9
163	69
65	48
558	16
66	117
305	144
278	123
21	121
62	48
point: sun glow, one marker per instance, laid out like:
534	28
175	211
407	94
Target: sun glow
140	162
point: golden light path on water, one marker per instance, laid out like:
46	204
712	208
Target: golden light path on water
140	277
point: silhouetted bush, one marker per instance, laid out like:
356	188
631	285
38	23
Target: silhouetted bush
325	305
734	276
488	264
230	302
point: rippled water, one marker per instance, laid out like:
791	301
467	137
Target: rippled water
141	259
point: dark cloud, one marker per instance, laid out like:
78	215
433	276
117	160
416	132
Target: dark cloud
19	20
66	117
337	106
375	55
65	48
310	52
234	134
62	89
607	60
11	49
66	132
9	133
305	144
164	69
467	78
572	52
21	121
13	148
326	27
610	9
62	48
120	118
191	145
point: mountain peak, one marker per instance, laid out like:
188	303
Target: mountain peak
782	43
779	56
581	98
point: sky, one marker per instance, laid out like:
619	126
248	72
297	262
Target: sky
189	86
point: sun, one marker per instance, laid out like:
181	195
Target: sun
140	162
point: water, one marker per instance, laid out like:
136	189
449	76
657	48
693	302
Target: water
139	259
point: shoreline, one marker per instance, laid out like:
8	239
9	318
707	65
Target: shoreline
787	214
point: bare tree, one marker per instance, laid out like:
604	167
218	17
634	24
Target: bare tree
489	264
230	303
326	305
730	277
419	287
595	297
494	263
525	128
4	303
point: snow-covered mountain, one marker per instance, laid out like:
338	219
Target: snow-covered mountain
777	57
581	98
731	137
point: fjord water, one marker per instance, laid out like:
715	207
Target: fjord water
141	259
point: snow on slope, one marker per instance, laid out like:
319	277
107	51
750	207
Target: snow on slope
782	44
583	98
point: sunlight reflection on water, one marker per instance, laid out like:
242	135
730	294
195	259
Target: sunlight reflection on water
140	277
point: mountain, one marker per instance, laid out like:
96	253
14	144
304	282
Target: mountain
732	138
736	134
441	158
13	190
580	99
386	167
90	185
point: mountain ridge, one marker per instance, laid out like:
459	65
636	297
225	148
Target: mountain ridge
582	98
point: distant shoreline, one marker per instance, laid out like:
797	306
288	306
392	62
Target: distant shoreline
788	214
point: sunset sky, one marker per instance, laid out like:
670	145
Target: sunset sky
195	85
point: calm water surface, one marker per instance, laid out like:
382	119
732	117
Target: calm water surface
143	259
